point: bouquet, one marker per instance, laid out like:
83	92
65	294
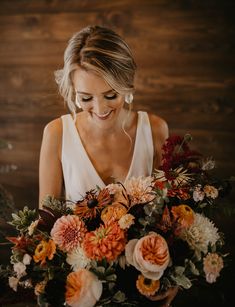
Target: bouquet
123	243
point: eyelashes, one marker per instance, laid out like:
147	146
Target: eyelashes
110	97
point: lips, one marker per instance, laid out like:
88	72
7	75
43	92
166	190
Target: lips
103	116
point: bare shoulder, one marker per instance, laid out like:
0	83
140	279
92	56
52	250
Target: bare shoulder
160	134
52	136
159	128
53	130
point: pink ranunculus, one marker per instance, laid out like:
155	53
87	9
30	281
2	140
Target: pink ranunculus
149	255
83	289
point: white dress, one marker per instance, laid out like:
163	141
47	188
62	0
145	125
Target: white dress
79	173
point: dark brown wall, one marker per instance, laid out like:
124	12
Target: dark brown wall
185	54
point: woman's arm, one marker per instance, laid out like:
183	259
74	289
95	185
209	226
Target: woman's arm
160	133
50	169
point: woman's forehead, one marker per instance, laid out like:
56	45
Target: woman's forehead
89	82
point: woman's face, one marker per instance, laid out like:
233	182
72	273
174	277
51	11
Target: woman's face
96	97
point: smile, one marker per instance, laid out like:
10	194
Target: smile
104	116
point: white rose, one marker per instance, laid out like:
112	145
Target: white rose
20	269
27	259
13	282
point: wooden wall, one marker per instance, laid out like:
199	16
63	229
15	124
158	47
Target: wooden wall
185	54
186	72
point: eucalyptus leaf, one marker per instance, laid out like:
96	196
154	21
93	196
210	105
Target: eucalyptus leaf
179	270
100	270
182	281
193	268
202	205
112	277
111	285
119	297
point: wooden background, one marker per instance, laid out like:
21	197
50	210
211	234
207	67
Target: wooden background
186	73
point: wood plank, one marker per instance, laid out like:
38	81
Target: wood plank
164	24
41	79
187	54
56	6
211	111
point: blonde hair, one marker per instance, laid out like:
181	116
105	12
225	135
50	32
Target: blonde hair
100	50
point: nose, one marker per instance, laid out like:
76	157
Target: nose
100	106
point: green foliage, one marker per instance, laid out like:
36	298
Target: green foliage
56	205
23	219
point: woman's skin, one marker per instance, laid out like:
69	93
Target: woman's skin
100	129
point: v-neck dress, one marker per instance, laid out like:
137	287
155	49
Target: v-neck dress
80	174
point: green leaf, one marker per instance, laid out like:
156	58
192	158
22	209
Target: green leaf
193	268
112	277
182	281
119	297
179	270
100	270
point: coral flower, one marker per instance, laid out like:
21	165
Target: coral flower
93	203
44	250
126	221
82	289
183	215
147	286
149	255
105	242
212	265
166	222
68	232
40	287
21	243
113	213
181	193
140	190
211	191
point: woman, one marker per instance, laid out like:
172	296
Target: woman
106	141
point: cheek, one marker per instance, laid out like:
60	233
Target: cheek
119	103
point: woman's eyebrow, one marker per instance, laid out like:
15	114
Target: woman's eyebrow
85	93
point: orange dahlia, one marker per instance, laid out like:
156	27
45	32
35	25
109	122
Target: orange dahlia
93	203
183	215
105	242
44	250
147	286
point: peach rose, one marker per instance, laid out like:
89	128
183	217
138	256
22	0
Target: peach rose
83	288
149	255
113	213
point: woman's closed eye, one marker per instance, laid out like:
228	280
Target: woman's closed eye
86	98
111	96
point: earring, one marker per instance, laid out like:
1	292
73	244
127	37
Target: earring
129	98
77	102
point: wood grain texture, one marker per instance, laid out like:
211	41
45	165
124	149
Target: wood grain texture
185	56
186	74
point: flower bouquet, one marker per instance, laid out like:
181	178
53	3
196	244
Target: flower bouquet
124	243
